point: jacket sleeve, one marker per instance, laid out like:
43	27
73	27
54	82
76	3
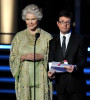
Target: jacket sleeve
82	54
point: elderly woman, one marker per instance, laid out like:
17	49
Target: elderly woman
22	58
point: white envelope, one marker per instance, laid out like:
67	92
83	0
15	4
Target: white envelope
58	68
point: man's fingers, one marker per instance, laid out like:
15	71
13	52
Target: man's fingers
67	67
51	74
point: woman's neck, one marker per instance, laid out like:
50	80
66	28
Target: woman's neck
33	32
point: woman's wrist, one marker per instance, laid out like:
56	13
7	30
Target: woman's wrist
42	57
22	58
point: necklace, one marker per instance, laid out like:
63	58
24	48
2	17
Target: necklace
31	37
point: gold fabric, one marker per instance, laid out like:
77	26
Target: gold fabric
23	43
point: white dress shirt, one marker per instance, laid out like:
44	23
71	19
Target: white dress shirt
67	38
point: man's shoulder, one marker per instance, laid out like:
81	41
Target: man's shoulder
53	42
77	36
55	38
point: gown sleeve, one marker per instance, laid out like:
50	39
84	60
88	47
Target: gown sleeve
15	57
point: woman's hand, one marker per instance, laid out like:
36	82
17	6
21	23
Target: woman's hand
30	56
39	57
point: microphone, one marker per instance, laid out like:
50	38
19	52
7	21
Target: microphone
37	35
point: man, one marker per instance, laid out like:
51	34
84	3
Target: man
68	46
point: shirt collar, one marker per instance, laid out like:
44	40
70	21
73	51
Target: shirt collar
66	35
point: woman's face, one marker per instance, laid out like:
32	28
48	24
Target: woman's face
31	21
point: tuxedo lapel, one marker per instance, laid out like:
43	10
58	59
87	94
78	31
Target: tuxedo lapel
58	47
71	41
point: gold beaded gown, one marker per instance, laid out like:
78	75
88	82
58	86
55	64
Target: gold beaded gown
23	72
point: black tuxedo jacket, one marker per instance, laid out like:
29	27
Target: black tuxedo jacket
76	54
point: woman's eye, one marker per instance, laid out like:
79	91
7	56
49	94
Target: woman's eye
27	19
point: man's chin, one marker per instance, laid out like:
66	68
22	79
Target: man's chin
65	32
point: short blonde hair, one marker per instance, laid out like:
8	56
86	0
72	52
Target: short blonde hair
32	9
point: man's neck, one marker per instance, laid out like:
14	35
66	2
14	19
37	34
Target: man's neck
65	32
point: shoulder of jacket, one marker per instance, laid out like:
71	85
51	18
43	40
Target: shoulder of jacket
79	36
46	34
20	34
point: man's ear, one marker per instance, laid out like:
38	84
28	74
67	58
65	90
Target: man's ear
57	23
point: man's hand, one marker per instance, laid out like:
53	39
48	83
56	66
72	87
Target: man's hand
51	75
69	68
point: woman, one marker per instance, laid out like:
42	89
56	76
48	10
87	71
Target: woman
22	57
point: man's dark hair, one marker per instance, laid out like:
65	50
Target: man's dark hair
66	13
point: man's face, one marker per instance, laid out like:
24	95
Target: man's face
64	24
